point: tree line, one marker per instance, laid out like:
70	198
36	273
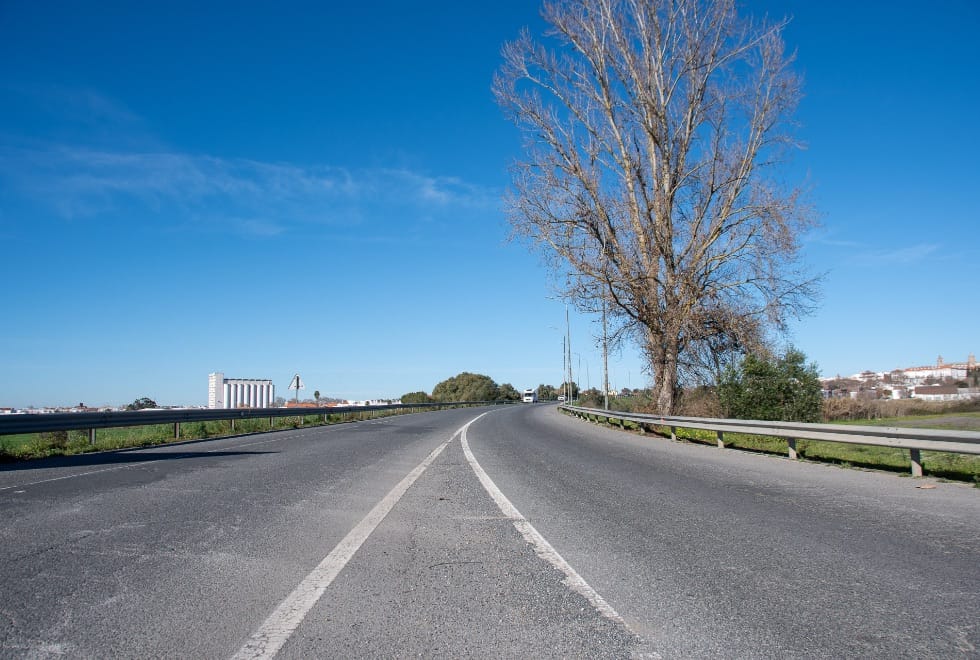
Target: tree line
764	386
468	386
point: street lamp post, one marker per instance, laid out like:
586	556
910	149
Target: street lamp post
568	349
564	363
564	369
605	358
587	377
605	332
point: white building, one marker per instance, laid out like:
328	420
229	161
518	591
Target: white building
239	392
942	370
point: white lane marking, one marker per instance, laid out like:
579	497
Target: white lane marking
81	474
541	546
248	444
286	618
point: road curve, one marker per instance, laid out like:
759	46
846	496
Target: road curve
380	539
721	553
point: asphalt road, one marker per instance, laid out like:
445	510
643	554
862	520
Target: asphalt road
379	539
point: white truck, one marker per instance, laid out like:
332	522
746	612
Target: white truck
530	396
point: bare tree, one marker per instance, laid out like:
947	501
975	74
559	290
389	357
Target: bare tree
653	129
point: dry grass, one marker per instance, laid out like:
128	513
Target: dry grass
835	410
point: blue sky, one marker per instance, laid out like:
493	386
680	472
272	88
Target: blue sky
265	189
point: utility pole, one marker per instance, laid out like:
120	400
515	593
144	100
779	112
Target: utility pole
605	334
564	370
568	348
605	358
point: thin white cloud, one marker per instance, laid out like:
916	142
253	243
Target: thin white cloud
130	174
836	243
257	227
80	115
444	190
908	255
824	235
187	190
873	254
69	103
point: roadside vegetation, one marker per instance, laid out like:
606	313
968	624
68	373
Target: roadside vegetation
465	386
959	467
462	387
785	388
66	443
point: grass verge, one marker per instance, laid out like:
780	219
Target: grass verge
65	443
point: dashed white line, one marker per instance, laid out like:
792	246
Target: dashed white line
287	617
542	548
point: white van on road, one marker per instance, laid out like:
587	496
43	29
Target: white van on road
530	396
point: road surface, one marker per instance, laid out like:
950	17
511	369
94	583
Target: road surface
498	532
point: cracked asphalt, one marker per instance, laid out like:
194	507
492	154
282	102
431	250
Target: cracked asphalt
183	551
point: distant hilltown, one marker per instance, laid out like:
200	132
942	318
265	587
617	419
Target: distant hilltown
943	381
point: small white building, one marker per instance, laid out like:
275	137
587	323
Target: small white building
371	402
900	393
945	393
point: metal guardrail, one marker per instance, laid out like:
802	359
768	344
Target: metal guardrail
914	440
43	422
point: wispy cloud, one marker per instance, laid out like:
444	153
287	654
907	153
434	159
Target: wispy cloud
97	161
828	236
208	192
901	256
872	253
259	227
80	115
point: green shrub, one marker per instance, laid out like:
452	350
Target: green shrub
781	388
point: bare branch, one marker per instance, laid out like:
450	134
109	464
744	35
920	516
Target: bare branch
653	129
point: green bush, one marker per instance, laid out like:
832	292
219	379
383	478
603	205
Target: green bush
781	388
416	397
53	439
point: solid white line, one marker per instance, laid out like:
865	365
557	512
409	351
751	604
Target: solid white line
286	618
541	546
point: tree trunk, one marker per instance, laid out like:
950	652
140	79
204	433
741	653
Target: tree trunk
665	388
663	353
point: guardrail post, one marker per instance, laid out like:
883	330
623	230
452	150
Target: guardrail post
176	430
916	456
791	444
721	439
91	436
673	433
232	425
272	422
